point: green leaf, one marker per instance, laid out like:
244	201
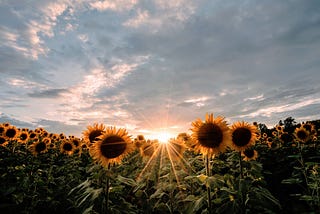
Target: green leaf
128	181
197	205
291	181
307	198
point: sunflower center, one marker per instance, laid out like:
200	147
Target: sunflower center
67	147
1	130
210	135
40	147
76	143
249	153
11	133
23	136
241	136
94	134
113	146
2	140
302	135
33	135
285	137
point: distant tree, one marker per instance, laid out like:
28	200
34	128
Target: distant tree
281	123
289	124
263	128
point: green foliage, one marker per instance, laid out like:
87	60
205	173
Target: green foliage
285	178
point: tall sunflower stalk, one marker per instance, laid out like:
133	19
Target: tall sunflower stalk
208	169
211	137
243	136
110	148
107	189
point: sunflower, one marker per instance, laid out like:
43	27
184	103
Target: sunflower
93	132
112	146
249	154
47	140
3	141
211	136
67	147
244	135
11	133
264	135
186	139
279	128
175	149
62	136
308	126
33	136
23	137
302	134
271	143
6	124
147	149
285	137
139	141
76	141
38	147
2	129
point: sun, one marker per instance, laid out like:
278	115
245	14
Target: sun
162	136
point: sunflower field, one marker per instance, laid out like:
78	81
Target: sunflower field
215	168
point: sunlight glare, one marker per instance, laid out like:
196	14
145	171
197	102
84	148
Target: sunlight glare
163	137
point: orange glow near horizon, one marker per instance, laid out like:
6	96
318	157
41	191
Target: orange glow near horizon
162	136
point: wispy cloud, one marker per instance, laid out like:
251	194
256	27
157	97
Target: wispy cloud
115	5
129	63
272	110
48	93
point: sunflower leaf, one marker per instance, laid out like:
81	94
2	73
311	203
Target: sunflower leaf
128	181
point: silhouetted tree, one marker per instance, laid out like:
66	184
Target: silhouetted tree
281	123
263	128
289	124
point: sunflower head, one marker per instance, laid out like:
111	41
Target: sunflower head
175	148
2	129
93	132
285	137
67	147
3	141
301	134
243	135
139	141
147	149
38	147
11	132
76	142
112	146
308	126
249	154
23	137
211	136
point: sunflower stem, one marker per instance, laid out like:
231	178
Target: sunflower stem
240	163
242	210
208	187
107	190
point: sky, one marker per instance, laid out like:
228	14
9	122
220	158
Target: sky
155	66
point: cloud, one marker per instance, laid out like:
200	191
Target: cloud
146	64
49	93
114	5
4	118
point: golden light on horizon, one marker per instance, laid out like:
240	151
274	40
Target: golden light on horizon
162	136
